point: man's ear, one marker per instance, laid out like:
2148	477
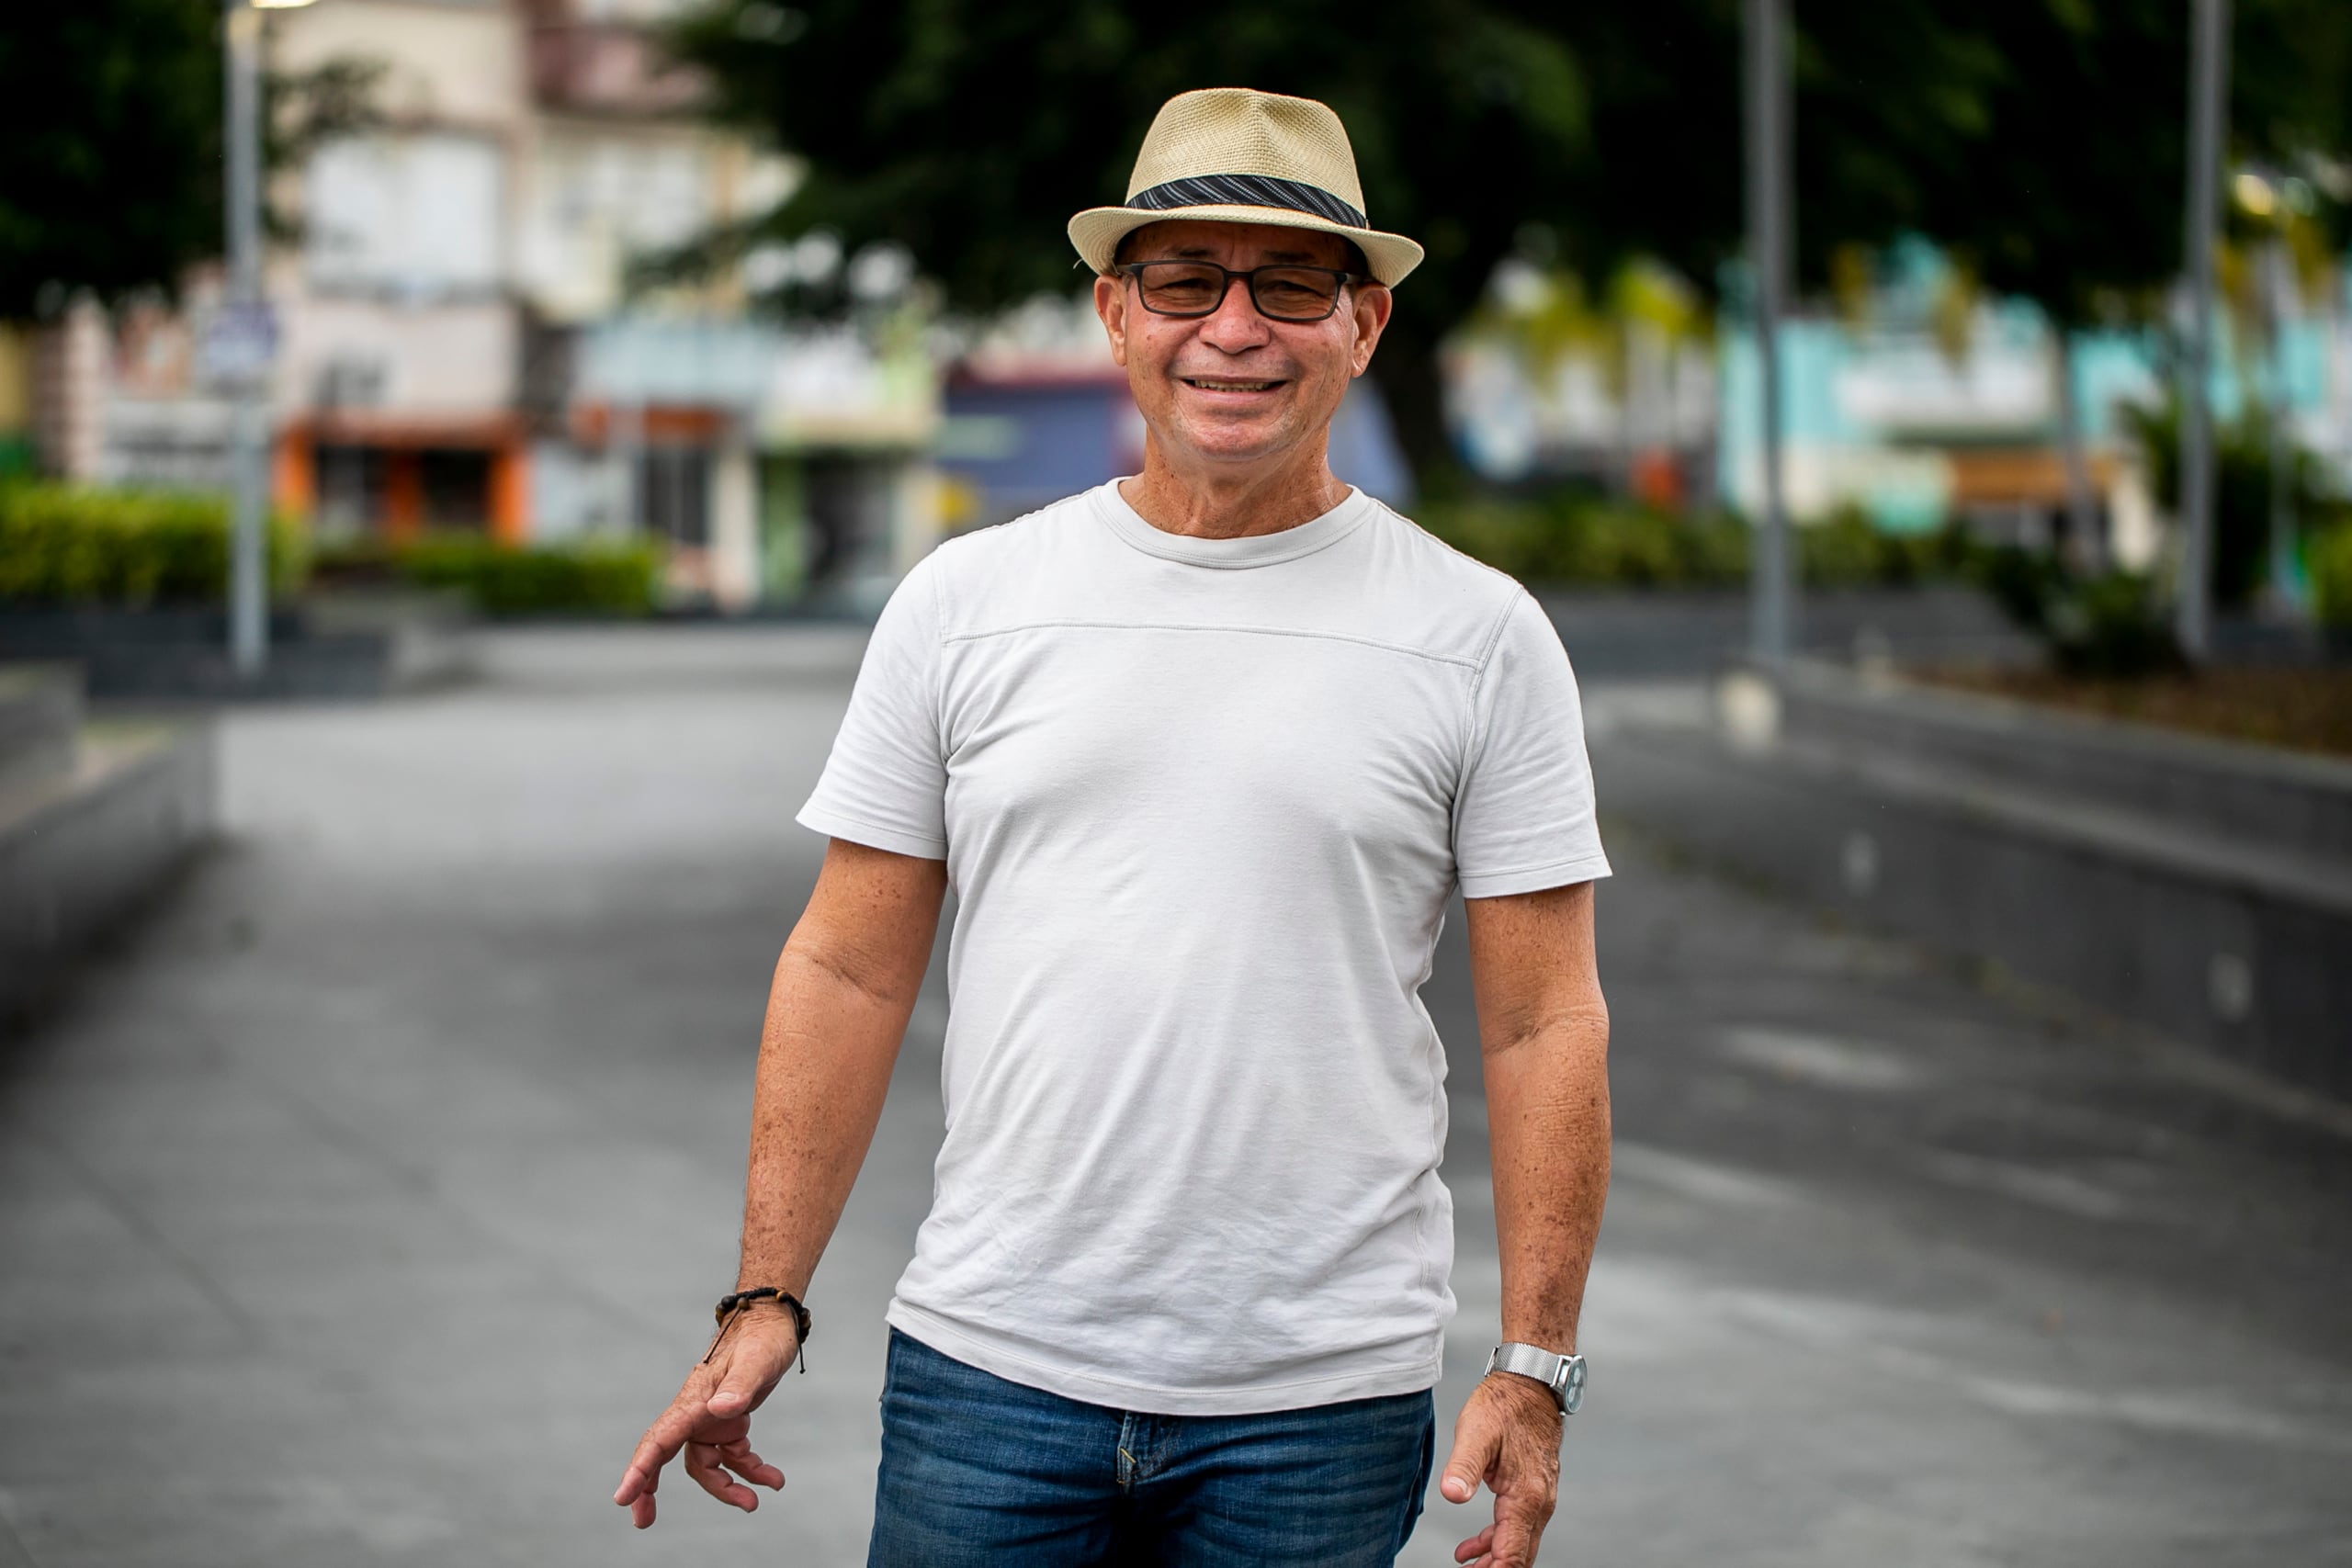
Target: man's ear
1370	304
1111	304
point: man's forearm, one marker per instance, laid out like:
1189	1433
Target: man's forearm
837	1012
1547	1113
825	1060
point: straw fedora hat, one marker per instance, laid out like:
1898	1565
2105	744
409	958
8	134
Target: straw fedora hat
1245	157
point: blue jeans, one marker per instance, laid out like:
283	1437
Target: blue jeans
978	1470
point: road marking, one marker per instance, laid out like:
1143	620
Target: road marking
2047	1188
1819	1059
1861	1331
1700	1180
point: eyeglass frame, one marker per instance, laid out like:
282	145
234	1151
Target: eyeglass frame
1249	282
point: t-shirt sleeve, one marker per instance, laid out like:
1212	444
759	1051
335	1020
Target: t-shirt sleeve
1523	814
886	783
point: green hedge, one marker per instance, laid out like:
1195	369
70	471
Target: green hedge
620	577
2115	624
1572	538
125	549
1558	540
2328	557
2242	490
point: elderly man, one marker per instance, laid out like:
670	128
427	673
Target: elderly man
1204	752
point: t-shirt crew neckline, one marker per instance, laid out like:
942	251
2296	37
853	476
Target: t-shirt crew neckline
1251	551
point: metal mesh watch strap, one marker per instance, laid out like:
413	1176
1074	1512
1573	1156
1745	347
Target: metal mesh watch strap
1563	1375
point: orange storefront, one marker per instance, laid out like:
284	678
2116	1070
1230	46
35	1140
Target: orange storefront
397	476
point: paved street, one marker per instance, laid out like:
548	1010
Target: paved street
363	1204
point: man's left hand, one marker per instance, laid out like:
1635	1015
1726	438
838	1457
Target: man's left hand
1508	1437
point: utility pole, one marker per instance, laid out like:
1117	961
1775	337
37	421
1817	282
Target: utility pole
1772	614
243	342
248	563
2209	58
2277	291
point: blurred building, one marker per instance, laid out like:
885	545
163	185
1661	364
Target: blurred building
476	332
1924	404
1036	410
468	339
1619	393
1917	403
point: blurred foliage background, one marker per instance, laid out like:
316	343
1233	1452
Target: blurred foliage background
66	548
2037	144
110	144
2040	139
72	545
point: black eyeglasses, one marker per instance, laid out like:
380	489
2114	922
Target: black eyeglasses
1198	289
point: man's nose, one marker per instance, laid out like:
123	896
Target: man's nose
1235	325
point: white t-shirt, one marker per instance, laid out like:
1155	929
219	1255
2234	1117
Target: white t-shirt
1203	802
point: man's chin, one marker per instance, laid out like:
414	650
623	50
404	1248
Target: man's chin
1239	451
1239	439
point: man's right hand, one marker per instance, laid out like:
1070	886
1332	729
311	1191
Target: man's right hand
711	1418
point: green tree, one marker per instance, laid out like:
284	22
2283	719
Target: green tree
2070	192
970	130
2038	136
2290	99
2073	201
1886	95
110	147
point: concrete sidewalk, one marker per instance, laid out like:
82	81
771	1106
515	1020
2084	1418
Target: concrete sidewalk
364	1206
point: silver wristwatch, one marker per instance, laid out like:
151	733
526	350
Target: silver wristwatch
1563	1375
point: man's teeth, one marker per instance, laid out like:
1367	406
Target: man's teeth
1208	386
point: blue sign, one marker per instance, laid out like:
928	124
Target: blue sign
238	345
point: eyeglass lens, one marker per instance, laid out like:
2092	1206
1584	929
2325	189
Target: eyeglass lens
1197	289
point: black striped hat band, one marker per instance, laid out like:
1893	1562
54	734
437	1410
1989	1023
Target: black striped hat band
1249	190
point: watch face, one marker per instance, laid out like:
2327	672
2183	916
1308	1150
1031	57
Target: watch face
1572	1389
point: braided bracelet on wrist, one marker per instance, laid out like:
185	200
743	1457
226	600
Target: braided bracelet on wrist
731	1306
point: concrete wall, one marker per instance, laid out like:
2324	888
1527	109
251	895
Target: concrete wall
2216	938
2262	796
83	850
1647	635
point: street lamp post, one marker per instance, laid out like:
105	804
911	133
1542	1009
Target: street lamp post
1772	610
2208	54
248	324
2278	289
248	592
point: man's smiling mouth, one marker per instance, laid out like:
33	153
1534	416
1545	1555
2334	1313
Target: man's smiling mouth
1224	384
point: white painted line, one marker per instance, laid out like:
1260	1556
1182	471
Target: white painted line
2046	1188
1819	1059
1701	1182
